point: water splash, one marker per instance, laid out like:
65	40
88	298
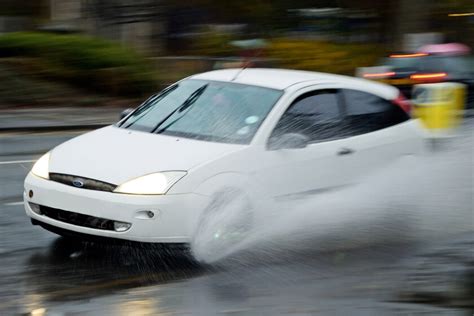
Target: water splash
412	199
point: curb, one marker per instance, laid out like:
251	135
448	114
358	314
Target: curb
52	128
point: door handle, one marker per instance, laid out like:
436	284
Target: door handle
345	151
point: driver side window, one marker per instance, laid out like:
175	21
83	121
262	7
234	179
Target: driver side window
316	115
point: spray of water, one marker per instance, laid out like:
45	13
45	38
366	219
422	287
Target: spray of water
420	198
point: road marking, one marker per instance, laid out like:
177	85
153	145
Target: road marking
15	162
14	203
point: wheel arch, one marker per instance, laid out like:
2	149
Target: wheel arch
222	181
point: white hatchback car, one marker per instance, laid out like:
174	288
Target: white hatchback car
265	133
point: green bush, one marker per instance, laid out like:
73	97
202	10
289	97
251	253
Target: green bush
323	56
212	43
302	54
92	62
17	88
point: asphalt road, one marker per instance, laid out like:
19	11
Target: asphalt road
42	274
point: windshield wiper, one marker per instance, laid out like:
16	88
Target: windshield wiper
149	102
184	106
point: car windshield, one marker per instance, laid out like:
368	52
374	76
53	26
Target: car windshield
205	110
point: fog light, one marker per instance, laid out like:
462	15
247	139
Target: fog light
35	208
121	227
30	194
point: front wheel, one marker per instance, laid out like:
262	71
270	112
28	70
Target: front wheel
223	226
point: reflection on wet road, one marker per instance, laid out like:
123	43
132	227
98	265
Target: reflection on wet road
42	274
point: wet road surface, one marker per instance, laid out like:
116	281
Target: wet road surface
42	274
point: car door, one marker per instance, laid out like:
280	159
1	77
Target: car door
378	133
317	167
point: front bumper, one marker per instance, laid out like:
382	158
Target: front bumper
175	217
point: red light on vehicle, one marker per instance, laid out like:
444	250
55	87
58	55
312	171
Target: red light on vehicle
403	103
380	75
408	55
433	77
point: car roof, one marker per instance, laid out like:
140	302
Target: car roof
282	79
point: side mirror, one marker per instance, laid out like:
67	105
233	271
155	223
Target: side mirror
289	141
126	112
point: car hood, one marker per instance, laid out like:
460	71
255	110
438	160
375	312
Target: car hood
116	155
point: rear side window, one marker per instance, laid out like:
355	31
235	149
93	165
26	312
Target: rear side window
316	115
367	112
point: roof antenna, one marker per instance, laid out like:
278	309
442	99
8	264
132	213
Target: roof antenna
245	65
258	44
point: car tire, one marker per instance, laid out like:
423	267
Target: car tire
224	225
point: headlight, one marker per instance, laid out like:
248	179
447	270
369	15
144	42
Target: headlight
155	183
41	167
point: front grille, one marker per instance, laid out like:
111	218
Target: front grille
87	183
77	219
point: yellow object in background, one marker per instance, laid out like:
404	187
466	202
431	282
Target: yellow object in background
439	105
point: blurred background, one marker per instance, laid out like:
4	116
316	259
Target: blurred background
108	51
70	66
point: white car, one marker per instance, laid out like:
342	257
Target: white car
266	134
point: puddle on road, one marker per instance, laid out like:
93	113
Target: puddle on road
417	199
